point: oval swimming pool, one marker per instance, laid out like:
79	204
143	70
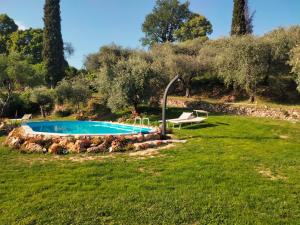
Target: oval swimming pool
85	128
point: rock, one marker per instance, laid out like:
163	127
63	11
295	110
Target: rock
140	138
13	142
57	149
31	147
96	149
97	141
71	147
81	145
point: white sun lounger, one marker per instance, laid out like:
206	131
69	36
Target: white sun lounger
189	121
24	118
183	116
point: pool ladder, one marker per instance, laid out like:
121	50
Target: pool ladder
140	120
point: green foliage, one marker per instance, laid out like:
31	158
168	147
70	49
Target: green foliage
295	63
76	91
63	112
249	18
15	75
44	97
96	108
197	26
239	24
53	49
7	27
28	43
166	17
132	85
243	62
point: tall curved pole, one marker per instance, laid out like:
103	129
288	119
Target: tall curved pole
164	106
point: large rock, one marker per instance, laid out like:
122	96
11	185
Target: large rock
13	142
81	145
96	149
31	147
57	149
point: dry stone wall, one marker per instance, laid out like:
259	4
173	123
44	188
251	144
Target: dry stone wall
236	109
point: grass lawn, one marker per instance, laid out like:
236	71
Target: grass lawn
232	170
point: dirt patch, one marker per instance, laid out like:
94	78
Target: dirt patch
266	172
150	172
150	152
283	137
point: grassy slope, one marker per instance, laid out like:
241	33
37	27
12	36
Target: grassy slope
212	179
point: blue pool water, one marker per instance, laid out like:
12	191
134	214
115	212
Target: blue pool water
85	128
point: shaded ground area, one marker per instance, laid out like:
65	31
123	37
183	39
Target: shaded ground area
231	170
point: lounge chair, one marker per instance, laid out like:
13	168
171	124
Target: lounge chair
189	121
26	117
183	116
187	117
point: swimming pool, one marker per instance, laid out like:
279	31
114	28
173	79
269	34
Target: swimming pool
84	128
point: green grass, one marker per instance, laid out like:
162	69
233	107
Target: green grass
214	178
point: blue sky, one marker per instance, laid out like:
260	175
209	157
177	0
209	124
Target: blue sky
89	24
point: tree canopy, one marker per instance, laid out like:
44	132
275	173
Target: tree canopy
7	27
166	17
53	49
197	26
28	43
238	25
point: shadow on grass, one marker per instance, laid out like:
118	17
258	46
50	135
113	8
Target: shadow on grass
233	137
199	126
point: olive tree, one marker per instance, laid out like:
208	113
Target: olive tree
179	59
133	84
243	63
43	97
295	63
76	91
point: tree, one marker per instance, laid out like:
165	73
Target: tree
74	91
7	27
243	62
44	97
239	25
249	18
133	84
166	17
179	59
15	74
53	49
28	43
295	63
197	26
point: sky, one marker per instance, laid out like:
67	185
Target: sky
90	24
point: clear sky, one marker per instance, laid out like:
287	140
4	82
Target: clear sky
89	24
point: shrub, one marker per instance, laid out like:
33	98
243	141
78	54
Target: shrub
63	112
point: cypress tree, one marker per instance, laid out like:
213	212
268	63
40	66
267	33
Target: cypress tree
53	50
239	25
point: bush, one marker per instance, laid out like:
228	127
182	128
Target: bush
63	112
96	108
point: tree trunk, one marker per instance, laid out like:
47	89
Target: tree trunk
187	92
9	93
135	109
252	98
42	112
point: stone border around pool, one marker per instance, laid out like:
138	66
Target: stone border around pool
24	139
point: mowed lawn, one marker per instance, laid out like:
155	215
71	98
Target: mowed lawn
231	170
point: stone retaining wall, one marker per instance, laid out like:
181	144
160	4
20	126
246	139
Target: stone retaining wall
232	108
20	140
